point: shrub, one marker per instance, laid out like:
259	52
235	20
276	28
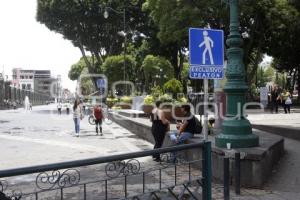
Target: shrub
166	98
149	100
126	99
173	86
156	92
111	102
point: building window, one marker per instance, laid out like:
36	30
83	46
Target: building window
23	86
22	77
28	86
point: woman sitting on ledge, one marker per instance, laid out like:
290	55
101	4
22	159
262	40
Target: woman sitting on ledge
186	128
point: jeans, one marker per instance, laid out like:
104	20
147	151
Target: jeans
287	108
184	136
77	125
98	122
274	106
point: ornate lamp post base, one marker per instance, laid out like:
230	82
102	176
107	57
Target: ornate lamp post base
236	129
238	133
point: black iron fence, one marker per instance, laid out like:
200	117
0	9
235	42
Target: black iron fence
11	96
125	176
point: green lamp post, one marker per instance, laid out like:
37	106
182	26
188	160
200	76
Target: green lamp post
236	129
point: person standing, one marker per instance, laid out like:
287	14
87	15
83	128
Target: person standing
160	125
275	98
77	116
98	115
286	100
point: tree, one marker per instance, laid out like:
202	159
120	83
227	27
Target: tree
114	68
156	69
76	69
175	17
83	23
85	83
284	40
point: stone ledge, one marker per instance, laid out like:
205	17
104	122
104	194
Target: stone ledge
285	131
256	164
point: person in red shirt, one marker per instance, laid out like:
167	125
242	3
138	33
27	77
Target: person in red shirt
98	115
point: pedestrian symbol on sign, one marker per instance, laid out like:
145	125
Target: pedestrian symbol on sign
206	53
209	44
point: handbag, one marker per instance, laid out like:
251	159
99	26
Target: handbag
198	126
288	101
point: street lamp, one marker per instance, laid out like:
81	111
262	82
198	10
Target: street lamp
236	129
123	12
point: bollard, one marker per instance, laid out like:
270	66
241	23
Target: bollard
226	179
237	173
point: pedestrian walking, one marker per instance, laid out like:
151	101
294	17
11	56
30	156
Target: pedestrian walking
77	116
286	99
160	125
59	107
83	106
68	108
14	105
98	116
275	99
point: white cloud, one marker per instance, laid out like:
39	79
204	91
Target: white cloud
27	44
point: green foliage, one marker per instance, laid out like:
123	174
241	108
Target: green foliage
111	102
183	100
82	22
77	68
114	68
149	100
86	84
156	91
185	71
126	99
157	69
173	86
166	98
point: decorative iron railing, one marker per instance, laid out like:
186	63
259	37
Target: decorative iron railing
125	176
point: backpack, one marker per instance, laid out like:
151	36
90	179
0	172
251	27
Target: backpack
198	126
98	113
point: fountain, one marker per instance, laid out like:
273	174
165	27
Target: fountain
26	103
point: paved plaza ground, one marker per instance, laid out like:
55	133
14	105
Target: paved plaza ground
42	136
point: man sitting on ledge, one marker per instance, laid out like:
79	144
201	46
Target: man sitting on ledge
186	128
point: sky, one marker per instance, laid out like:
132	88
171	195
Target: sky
27	44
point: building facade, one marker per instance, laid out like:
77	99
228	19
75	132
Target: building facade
39	81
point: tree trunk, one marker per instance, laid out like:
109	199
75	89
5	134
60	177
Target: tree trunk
298	84
255	66
99	62
88	64
174	62
181	60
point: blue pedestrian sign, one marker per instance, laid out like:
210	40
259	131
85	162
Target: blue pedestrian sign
101	83
206	53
